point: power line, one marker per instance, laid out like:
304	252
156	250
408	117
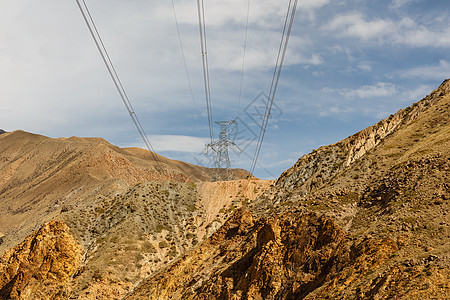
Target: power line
243	58
112	72
290	14
203	43
184	57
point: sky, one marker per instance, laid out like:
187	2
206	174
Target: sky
349	64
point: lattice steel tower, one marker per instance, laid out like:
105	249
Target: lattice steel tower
228	129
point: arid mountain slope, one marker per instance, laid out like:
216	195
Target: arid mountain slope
40	176
407	129
366	218
130	236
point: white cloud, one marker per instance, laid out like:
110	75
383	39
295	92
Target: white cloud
417	93
437	72
396	4
365	67
404	31
336	110
311	7
380	89
354	25
176	143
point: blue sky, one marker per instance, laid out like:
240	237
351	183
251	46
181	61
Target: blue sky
349	64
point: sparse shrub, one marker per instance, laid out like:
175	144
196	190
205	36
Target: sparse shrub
148	247
163	244
139	257
172	253
131	248
191	207
159	228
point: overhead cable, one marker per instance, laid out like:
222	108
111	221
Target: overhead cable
184	57
276	76
112	72
206	82
243	59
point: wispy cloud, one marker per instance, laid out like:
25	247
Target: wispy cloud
405	31
437	71
355	25
381	89
396	4
417	93
178	143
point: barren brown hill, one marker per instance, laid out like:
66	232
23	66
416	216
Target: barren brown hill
40	176
365	218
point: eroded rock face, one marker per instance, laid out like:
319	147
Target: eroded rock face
292	256
285	256
40	266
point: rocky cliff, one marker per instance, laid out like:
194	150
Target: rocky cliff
40	266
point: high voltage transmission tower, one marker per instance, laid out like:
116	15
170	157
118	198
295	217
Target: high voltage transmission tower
222	164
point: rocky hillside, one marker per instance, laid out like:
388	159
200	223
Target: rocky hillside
130	236
126	213
365	218
314	170
2	131
40	176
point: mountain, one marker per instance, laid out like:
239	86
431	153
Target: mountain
2	131
41	176
364	218
124	206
